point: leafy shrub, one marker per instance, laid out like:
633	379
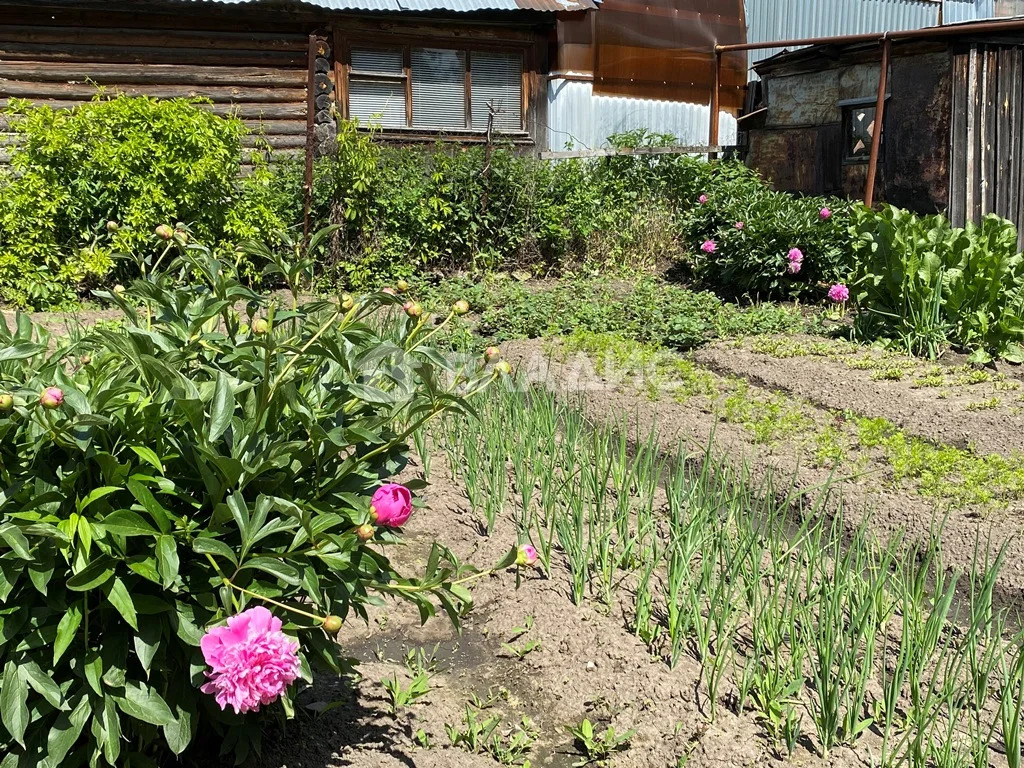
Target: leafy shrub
457	208
646	310
754	228
139	162
923	284
201	462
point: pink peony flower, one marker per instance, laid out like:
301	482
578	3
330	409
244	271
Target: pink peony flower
740	225
839	293
825	213
702	199
795	254
51	398
527	555
391	505
251	659
795	267
709	246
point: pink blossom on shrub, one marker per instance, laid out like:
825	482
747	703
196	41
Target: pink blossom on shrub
709	246
795	267
825	213
795	255
391	505
839	293
251	659
702	199
51	398
527	555
740	225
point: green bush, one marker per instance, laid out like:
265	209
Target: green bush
752	260
139	162
923	284
456	208
199	464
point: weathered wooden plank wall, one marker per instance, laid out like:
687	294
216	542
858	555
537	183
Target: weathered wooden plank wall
254	68
987	145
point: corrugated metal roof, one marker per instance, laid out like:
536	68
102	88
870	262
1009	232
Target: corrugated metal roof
769	20
463	6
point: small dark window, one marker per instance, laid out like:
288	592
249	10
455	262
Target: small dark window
858	128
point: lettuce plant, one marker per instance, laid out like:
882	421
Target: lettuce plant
206	456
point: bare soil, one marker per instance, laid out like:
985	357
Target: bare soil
588	665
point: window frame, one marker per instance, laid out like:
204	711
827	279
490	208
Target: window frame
846	110
406	45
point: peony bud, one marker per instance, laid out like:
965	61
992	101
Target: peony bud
502	366
86	359
347	302
164	232
491	354
702	199
180	226
51	398
365	532
402	286
825	213
391	505
6	403
119	289
389	291
460	307
412	309
527	555
260	326
739	225
332	624
112	226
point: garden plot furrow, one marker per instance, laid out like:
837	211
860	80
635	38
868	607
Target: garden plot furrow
945	404
864	483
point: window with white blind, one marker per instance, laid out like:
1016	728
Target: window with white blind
436	89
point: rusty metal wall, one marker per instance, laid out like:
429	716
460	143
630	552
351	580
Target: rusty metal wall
987	152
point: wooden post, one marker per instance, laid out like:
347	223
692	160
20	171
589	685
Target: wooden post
307	203
876	134
716	86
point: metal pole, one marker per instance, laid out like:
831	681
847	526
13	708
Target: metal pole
716	87
876	134
307	203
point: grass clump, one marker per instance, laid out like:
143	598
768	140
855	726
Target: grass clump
647	310
766	418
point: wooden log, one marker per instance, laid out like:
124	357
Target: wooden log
323	83
153	38
22	89
241	110
126	55
275	142
322	65
151	74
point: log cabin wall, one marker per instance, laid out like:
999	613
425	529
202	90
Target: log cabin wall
250	61
247	64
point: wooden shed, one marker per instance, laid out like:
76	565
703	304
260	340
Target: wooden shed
423	69
952	137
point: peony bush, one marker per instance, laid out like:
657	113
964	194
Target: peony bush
194	499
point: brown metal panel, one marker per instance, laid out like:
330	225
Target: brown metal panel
664	49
